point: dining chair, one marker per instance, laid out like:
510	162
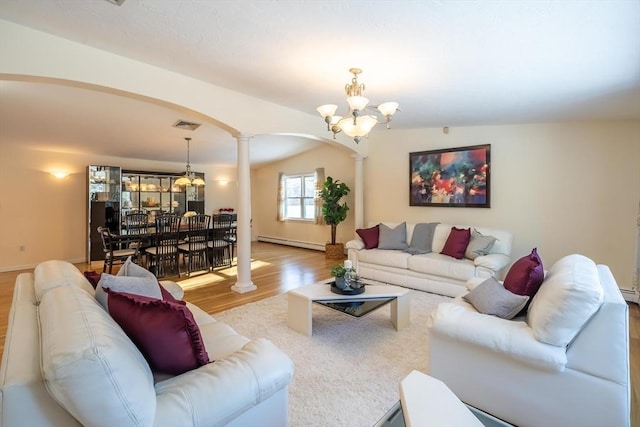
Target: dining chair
219	245
163	254
113	254
232	238
195	249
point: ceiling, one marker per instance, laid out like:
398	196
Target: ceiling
448	63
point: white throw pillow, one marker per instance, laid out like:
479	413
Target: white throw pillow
569	295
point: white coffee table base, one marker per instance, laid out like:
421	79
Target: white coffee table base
300	303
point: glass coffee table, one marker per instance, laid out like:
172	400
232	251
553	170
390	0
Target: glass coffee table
300	303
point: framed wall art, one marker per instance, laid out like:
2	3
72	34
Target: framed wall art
451	177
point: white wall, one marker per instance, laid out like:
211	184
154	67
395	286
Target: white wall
47	217
337	163
563	188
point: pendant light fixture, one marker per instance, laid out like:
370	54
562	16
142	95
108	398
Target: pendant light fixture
189	178
356	123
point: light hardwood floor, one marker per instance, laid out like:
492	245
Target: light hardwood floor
275	270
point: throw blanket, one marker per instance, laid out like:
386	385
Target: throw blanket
422	238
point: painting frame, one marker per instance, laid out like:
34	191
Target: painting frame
451	177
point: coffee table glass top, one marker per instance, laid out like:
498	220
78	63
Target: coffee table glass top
354	307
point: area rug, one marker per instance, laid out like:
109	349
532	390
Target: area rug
347	373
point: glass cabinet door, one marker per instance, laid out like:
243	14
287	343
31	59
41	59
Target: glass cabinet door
103	206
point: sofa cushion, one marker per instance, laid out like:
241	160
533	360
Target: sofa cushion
164	331
369	236
457	242
525	275
52	274
490	297
479	245
393	238
436	264
570	294
89	366
389	258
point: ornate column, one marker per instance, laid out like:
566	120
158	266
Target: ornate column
359	191
244	283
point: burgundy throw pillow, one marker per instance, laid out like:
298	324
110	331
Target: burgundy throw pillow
457	242
165	331
369	236
525	275
93	277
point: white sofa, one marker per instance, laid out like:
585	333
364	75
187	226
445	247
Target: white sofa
565	364
102	379
431	272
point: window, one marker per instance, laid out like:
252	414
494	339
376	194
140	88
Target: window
299	191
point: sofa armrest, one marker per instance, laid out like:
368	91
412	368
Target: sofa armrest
493	262
174	289
473	283
356	244
511	338
218	392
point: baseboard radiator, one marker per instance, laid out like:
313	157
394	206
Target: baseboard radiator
289	242
630	295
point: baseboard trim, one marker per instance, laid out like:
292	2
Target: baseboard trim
32	266
289	242
629	295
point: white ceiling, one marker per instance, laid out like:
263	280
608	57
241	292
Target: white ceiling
448	63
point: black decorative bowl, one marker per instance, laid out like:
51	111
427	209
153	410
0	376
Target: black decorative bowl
356	289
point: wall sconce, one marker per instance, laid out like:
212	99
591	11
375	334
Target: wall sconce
222	181
59	174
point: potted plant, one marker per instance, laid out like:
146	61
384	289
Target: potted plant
334	213
339	272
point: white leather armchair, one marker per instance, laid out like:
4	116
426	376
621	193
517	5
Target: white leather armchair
566	363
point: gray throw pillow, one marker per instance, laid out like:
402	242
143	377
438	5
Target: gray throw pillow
393	238
422	238
132	279
131	269
479	245
490	297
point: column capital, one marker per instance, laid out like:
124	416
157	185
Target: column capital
243	136
358	157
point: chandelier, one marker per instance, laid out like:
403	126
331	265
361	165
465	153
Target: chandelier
189	178
356	123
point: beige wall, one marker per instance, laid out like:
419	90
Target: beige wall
337	163
563	188
42	217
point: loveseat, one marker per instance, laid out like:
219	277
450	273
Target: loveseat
432	271
563	363
66	362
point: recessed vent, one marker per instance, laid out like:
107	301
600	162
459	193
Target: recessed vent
183	124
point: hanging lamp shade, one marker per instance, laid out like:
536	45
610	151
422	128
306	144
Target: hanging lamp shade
189	178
